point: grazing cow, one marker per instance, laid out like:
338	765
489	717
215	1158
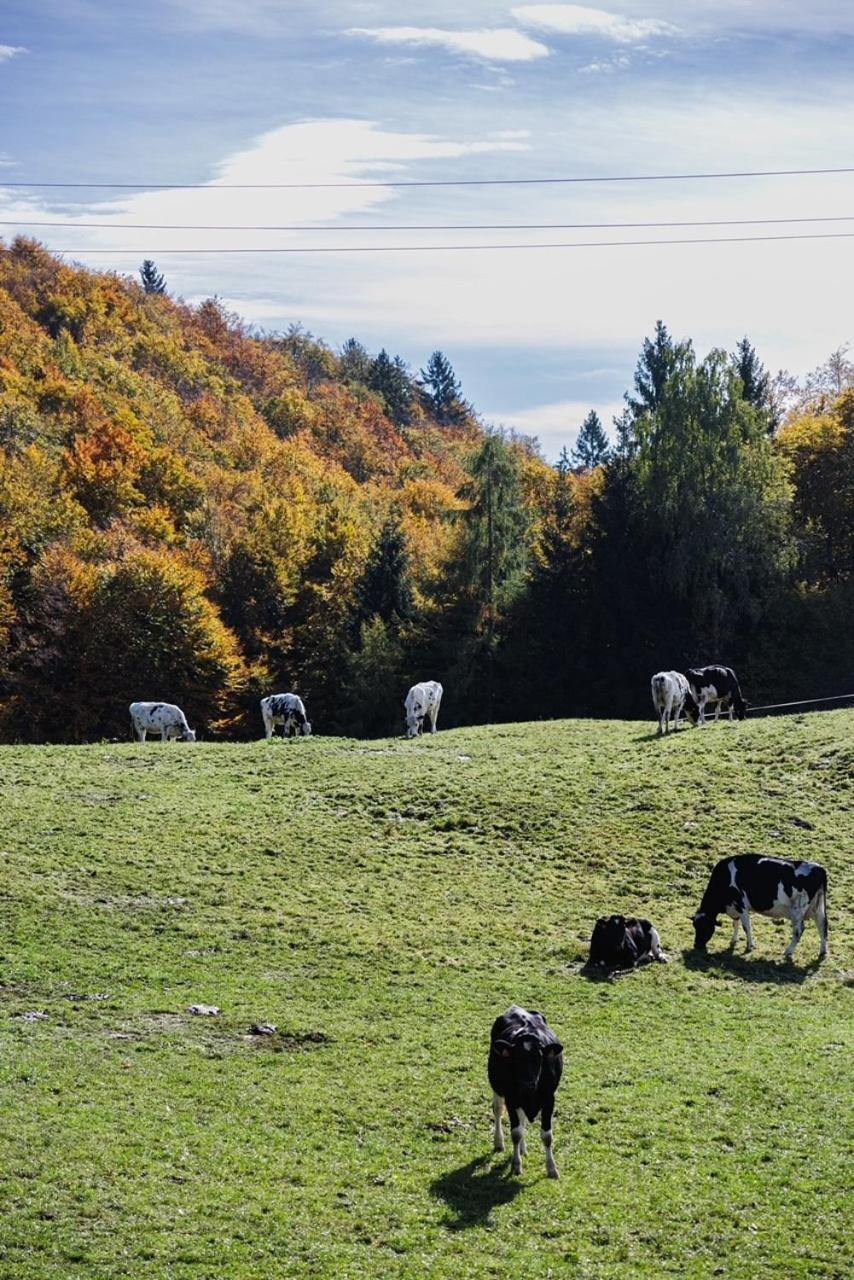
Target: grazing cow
525	1066
621	942
160	717
422	700
671	695
288	710
776	887
717	686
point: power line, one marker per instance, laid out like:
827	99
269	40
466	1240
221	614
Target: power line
412	182
455	248
426	226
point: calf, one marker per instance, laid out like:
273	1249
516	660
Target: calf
776	887
671	695
621	942
718	687
160	717
524	1068
288	710
422	700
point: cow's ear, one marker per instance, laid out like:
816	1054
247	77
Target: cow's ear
554	1049
502	1047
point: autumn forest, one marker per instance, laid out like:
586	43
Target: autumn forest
196	512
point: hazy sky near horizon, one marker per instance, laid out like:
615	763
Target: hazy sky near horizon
212	92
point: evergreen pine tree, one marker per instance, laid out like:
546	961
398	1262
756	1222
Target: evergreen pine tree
152	280
591	447
355	362
385	590
390	378
755	383
442	390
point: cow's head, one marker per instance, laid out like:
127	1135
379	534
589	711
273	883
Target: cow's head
525	1055
691	708
704	926
612	930
413	724
306	729
740	706
188	735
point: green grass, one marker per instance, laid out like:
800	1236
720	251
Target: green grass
381	902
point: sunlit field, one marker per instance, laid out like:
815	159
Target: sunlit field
379	903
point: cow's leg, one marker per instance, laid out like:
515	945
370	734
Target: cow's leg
140	734
268	727
701	708
434	716
517	1133
655	946
797	931
734	939
820	917
497	1131
546	1135
745	920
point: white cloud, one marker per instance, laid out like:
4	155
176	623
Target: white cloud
8	51
579	20
500	44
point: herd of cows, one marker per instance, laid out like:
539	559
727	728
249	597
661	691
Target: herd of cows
525	1056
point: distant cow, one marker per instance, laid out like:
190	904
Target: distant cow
422	700
718	687
525	1066
160	717
288	710
621	942
776	887
671	695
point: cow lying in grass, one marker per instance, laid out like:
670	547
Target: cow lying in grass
621	942
524	1068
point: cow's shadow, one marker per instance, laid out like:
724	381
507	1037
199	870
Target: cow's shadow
742	966
474	1190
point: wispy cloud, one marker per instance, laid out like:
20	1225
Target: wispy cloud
499	44
579	20
8	51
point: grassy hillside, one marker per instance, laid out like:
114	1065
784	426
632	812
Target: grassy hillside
380	903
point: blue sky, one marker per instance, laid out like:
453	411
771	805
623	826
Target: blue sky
214	91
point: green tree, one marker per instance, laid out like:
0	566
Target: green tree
390	379
755	381
443	393
591	447
153	281
355	362
385	589
496	528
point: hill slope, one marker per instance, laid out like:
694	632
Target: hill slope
380	902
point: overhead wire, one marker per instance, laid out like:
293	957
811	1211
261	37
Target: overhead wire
426	226
451	248
83	184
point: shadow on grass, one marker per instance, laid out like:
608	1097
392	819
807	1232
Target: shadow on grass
741	966
474	1190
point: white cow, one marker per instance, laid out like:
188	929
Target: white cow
422	700
288	710
160	717
671	695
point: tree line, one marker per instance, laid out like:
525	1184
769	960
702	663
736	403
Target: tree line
193	511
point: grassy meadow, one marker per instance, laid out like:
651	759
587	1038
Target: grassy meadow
380	902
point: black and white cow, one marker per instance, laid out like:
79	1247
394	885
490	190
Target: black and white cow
288	710
422	700
671	695
525	1066
718	687
160	717
776	887
621	942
